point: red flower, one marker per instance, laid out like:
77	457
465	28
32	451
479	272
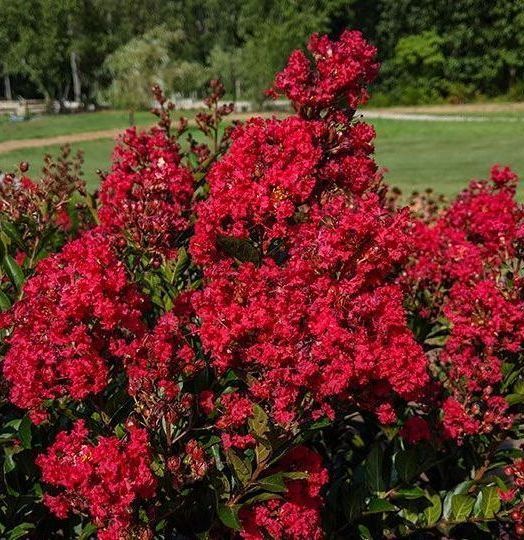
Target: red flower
104	478
147	195
76	309
340	69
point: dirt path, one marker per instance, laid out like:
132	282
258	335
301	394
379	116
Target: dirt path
432	113
9	146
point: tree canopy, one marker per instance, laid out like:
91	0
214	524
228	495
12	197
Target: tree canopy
430	49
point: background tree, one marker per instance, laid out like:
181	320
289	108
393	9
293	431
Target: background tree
481	45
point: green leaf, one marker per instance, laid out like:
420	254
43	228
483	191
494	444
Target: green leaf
12	233
437	341
295	475
374	469
354	503
13	271
378	506
24	432
259	421
274	483
262	450
239	248
20	531
461	506
241	468
9	463
406	463
461	488
487	503
519	387
363	533
411	493
87	532
432	513
514	399
5	303
261	497
228	515
181	264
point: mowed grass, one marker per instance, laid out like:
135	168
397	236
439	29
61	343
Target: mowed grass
41	127
96	156
446	155
417	154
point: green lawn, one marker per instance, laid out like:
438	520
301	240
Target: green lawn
96	155
445	155
50	126
441	155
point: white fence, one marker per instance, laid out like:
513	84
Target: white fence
22	107
28	107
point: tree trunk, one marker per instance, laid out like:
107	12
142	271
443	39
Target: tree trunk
77	88
7	87
237	89
131	117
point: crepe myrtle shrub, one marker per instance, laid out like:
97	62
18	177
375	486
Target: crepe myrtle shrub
244	335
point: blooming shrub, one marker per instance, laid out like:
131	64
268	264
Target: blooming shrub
245	336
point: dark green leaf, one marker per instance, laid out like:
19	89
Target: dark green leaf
5	303
241	467
87	532
461	488
406	464
411	493
518	388
24	432
374	469
12	233
181	264
377	506
9	463
363	533
514	399
15	273
259	421
295	475
262	450
274	483
228	515
20	531
261	497
239	248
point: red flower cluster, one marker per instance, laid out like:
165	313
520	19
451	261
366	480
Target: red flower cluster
340	68
76	310
193	467
462	260
296	247
105	478
147	195
479	231
156	362
295	516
